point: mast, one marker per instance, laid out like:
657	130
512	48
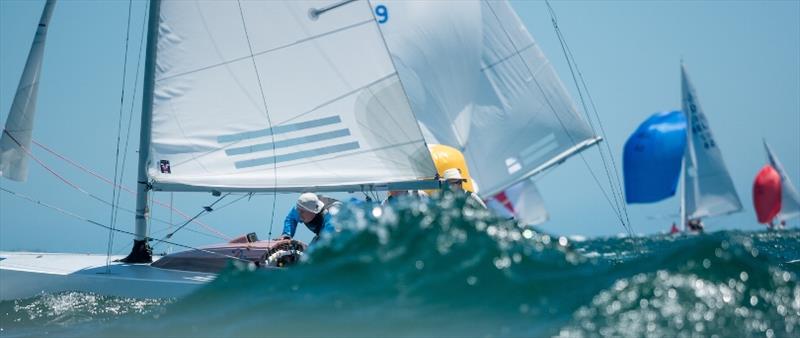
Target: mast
683	196
141	252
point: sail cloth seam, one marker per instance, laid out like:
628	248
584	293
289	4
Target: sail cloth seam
506	58
274	49
81	218
278	127
570	58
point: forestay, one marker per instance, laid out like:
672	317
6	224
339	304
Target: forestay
273	95
496	99
790	199
709	188
16	138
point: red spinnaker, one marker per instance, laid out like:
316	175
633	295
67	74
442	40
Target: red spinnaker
767	194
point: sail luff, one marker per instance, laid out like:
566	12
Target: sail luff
16	137
790	198
709	187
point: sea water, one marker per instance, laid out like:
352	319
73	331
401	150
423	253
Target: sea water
442	267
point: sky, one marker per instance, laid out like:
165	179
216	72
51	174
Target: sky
742	56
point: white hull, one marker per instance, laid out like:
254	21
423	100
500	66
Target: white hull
27	274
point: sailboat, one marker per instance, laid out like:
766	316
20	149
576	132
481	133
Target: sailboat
238	97
774	196
674	145
479	83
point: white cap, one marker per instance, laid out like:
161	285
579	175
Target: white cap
310	202
452	174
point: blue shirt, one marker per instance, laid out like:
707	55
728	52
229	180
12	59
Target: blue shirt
290	223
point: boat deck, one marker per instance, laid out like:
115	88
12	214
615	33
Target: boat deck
27	274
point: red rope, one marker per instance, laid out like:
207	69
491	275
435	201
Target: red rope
104	179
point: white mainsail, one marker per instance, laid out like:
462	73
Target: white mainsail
279	95
708	188
790	198
510	113
17	134
478	82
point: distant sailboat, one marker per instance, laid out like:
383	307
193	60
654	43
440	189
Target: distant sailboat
706	187
774	196
479	83
767	194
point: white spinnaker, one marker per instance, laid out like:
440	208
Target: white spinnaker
709	190
521	201
790	199
19	124
498	100
336	114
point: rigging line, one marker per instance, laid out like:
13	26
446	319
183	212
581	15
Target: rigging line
76	187
129	191
266	112
128	245
570	61
616	204
602	130
205	209
81	218
114	190
566	131
133	96
232	202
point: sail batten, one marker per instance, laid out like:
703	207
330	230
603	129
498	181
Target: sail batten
263	96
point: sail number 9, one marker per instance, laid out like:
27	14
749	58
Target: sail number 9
382	13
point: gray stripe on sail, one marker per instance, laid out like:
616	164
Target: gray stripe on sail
288	142
296	156
280	129
538	144
540	148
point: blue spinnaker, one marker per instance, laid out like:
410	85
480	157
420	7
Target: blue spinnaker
652	157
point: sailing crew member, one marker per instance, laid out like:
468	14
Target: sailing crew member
695	225
312	211
455	183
